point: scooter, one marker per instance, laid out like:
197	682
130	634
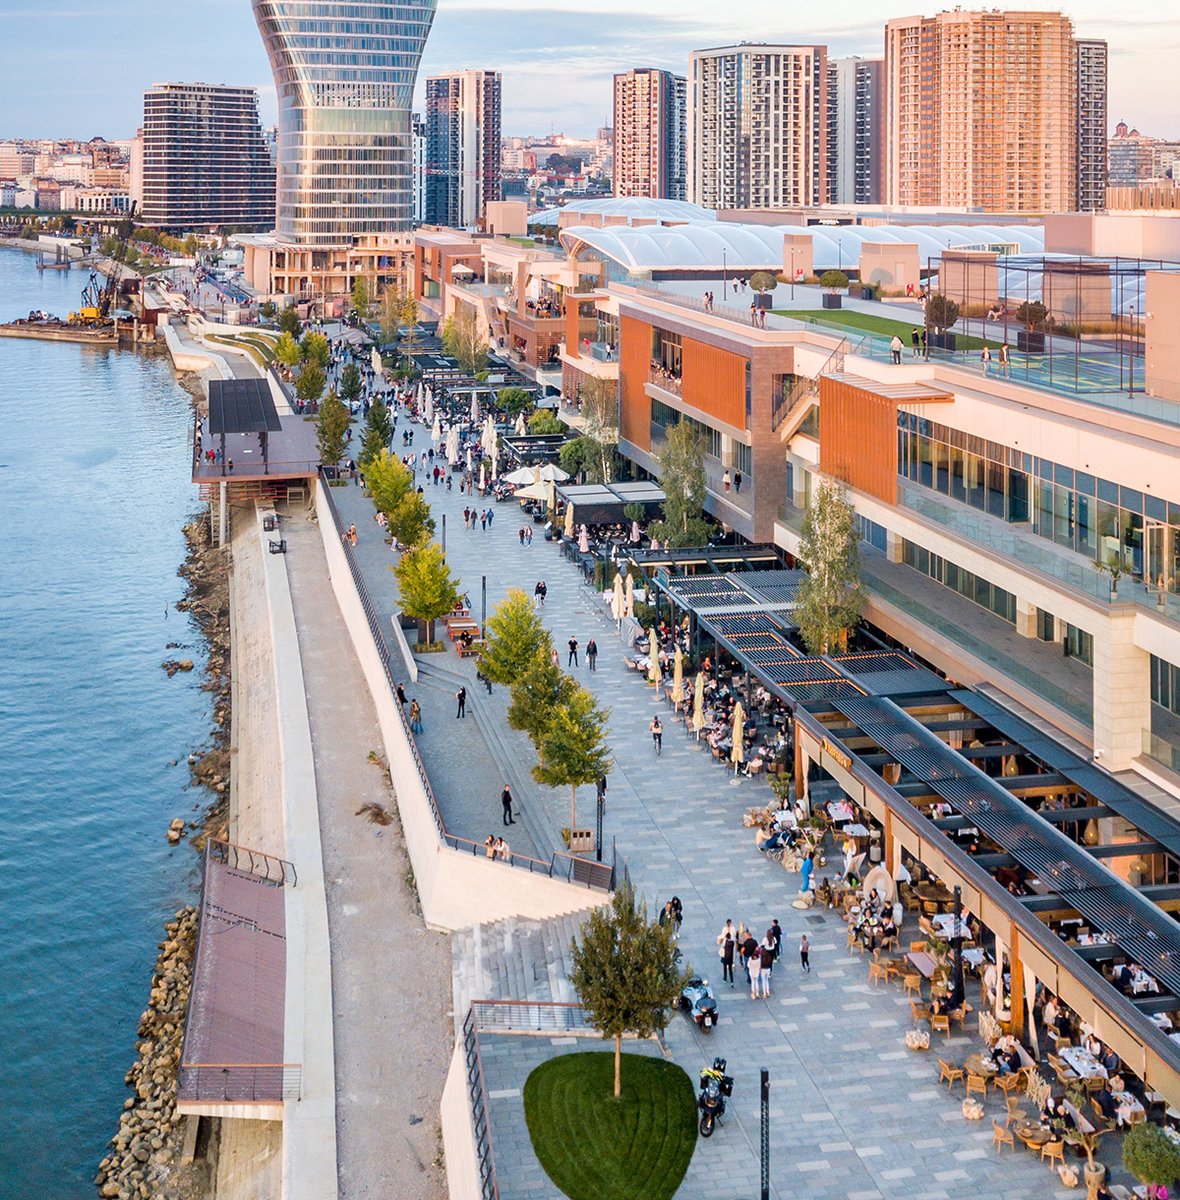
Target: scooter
715	1087
697	999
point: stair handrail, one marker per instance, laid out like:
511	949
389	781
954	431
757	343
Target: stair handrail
807	386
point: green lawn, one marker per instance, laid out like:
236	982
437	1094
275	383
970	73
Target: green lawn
850	318
595	1147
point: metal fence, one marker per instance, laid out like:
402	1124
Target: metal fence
527	1016
594	875
239	1082
477	1094
253	862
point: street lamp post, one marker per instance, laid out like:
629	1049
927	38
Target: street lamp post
794	251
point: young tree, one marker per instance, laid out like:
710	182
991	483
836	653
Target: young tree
941	312
543	421
350	385
536	693
572	750
331	426
515	635
428	589
625	972
360	296
314	348
827	604
388	480
410	522
574	455
462	339
378	432
287	350
289	321
833	281
310	384
682	477
513	401
600	427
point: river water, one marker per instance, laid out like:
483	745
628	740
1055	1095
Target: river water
94	487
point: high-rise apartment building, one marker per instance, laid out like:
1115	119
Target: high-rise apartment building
982	111
462	146
1092	117
855	133
345	76
419	128
649	152
205	161
758	126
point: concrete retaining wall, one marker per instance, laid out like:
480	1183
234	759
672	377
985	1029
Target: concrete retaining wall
457	1132
186	358
455	889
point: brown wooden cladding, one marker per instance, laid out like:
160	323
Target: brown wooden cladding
634	364
714	382
858	438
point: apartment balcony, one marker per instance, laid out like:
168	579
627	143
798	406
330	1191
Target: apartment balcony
664	380
1019	544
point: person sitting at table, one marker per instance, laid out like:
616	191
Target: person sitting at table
1106	1102
1122	977
1093	1046
1109	1059
1064	1028
1049	1013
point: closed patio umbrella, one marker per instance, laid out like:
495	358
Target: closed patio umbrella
678	680
629	605
584	541
482	482
698	705
436	430
618	602
428	414
654	674
737	754
569	520
551	499
520	427
636	535
474	409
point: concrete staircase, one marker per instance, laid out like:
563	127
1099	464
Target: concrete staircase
514	959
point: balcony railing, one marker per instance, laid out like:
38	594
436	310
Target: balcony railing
664	378
604	352
1165	753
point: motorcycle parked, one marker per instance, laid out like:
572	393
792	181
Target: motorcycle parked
715	1087
697	999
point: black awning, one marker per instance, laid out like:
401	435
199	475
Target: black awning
242	406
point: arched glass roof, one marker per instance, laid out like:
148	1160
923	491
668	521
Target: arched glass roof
719	244
629	208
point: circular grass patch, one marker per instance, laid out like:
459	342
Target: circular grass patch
593	1146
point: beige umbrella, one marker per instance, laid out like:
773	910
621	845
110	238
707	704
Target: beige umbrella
569	519
738	754
698	705
629	603
654	674
534	491
618	602
551	499
678	680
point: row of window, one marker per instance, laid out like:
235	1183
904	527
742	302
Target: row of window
1165	684
969	585
666	417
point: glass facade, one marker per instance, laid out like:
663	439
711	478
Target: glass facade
1165	684
970	586
1095	517
344	73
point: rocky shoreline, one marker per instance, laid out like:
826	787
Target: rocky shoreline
147	1155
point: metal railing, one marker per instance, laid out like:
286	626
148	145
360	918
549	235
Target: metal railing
477	1094
239	1082
1161	750
666	380
531	1016
253	862
807	387
594	875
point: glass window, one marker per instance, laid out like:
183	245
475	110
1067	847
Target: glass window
1129	498
995	489
958	480
1084	529
1085	483
1108	491
1017	497
1079	644
1063	476
1063	517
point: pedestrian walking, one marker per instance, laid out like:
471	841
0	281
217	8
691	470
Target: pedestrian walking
467	518
528	535
775	933
677	913
805	954
572	659
765	961
725	480
895	348
461	697
985	358
592	654
657	734
491	516
751	963
483	520
401	695
521	535
728	944
737	482
1004	360
415	717
506	803
915	342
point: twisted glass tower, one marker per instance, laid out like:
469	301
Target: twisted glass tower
344	71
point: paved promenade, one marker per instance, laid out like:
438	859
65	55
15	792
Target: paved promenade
855	1115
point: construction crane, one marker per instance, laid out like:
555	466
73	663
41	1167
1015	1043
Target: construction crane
99	295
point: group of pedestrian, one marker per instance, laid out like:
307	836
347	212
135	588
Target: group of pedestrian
540	592
672	915
737	944
526	535
497	847
474	516
735	480
757	315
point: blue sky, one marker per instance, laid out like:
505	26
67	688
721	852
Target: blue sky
76	69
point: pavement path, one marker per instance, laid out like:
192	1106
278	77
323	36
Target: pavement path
855	1115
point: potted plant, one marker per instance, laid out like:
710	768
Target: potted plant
1151	1157
1114	569
763	283
1094	1172
1034	316
833	282
941	314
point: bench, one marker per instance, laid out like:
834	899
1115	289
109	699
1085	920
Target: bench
468	651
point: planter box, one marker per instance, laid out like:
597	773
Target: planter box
763	299
830	301
1030	342
944	341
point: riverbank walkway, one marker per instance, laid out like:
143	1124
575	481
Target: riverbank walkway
855	1115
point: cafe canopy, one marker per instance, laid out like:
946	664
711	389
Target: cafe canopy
603	503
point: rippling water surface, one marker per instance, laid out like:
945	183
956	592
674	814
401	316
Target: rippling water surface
94	487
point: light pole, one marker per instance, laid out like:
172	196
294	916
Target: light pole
724	275
1131	362
794	251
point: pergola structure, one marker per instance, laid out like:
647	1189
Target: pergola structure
1041	842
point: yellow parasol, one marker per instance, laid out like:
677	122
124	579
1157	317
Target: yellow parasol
617	601
698	705
629	603
569	520
738	754
678	680
654	674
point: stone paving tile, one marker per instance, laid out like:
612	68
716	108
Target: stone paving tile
855	1116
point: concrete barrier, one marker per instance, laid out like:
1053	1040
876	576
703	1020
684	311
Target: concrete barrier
457	1133
455	889
189	358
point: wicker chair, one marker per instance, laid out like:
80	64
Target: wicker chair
940	1023
977	1083
878	973
1001	1137
949	1073
912	985
1054	1152
1010	1083
918	1011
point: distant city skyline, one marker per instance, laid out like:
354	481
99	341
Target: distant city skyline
557	57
